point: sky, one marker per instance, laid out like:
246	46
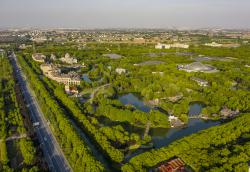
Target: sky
92	14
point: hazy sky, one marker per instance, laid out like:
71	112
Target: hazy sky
125	13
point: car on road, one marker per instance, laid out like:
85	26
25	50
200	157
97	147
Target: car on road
35	124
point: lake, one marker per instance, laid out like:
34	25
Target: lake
85	77
195	108
132	99
161	136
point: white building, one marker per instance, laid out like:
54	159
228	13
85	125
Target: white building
213	44
68	59
55	74
172	117
120	70
39	39
162	46
175	121
168	46
179	45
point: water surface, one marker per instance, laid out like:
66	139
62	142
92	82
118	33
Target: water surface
86	78
162	136
132	99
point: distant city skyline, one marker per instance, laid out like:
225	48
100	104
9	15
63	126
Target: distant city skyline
125	14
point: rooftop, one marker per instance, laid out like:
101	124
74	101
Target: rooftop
172	166
113	56
197	67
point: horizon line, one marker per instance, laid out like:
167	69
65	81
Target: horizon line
121	28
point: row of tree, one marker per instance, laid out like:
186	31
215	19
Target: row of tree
74	147
11	122
221	148
75	112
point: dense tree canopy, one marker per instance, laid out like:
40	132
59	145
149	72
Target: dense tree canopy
220	148
11	122
74	147
163	84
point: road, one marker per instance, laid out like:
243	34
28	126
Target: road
51	149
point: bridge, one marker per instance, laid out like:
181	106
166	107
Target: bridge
195	117
147	129
15	137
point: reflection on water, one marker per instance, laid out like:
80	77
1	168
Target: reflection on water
135	101
86	78
195	108
161	136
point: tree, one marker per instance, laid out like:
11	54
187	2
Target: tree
28	151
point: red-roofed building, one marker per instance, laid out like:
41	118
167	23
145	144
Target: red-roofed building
175	165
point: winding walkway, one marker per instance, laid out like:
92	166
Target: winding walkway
92	95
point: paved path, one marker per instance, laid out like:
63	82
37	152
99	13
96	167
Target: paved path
92	95
16	137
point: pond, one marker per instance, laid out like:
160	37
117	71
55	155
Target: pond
85	77
163	137
160	136
195	108
131	99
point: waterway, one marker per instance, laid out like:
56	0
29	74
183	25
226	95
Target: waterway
85	77
195	108
132	99
161	136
